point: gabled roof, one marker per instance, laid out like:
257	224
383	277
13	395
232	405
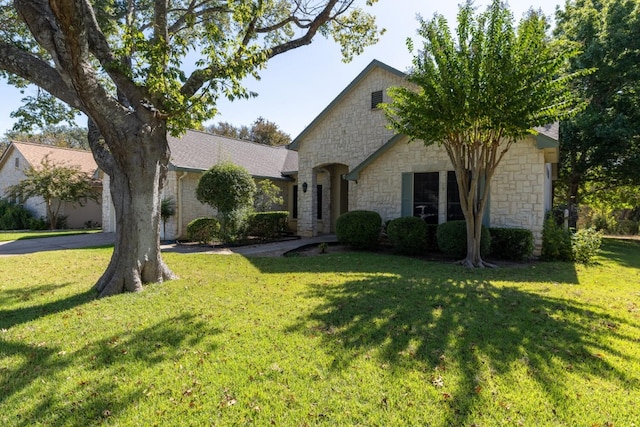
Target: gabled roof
197	151
372	65
34	153
547	138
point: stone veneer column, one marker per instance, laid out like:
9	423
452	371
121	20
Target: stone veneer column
307	203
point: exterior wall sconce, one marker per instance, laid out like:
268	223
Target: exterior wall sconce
304	187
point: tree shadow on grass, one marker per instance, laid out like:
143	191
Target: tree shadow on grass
416	323
101	390
16	316
379	262
622	251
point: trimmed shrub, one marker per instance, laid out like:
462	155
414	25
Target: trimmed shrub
452	239
15	217
556	242
585	245
203	230
511	243
267	224
432	238
408	235
359	229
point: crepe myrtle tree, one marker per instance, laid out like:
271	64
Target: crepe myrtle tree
478	92
129	67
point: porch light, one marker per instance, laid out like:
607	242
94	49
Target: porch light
304	187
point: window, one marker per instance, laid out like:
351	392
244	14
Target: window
319	199
294	208
421	197
376	98
426	196
454	209
17	162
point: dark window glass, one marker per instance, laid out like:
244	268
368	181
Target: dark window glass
294	214
454	209
425	196
319	195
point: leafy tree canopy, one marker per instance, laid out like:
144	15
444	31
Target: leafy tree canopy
141	69
479	91
602	143
261	131
59	136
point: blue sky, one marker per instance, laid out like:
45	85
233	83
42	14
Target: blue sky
298	85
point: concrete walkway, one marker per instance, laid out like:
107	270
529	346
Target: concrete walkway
262	249
29	246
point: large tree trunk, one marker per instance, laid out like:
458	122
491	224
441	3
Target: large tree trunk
137	173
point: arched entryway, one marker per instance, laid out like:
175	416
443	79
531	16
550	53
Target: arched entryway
323	196
339	193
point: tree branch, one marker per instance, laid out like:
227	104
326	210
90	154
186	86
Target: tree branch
38	72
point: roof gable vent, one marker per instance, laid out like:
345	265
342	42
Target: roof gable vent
376	98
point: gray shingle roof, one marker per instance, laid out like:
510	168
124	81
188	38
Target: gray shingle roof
198	151
552	130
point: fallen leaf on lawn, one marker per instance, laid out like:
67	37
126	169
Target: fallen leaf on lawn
438	381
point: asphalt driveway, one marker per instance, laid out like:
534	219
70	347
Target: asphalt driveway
76	241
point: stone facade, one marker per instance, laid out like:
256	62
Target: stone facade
347	134
350	135
519	190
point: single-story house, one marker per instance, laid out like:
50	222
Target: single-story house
350	160
194	153
20	156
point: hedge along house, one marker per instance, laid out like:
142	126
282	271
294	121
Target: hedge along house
19	156
349	160
194	153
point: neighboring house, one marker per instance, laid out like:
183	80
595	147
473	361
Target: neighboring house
349	160
20	156
194	153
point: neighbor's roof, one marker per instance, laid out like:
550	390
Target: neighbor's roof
198	151
34	153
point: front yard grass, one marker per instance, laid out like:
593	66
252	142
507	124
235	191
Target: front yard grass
341	339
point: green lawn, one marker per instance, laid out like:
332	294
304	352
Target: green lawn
6	236
340	339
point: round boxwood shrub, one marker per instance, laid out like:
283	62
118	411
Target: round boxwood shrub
359	229
452	239
203	230
408	235
511	243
